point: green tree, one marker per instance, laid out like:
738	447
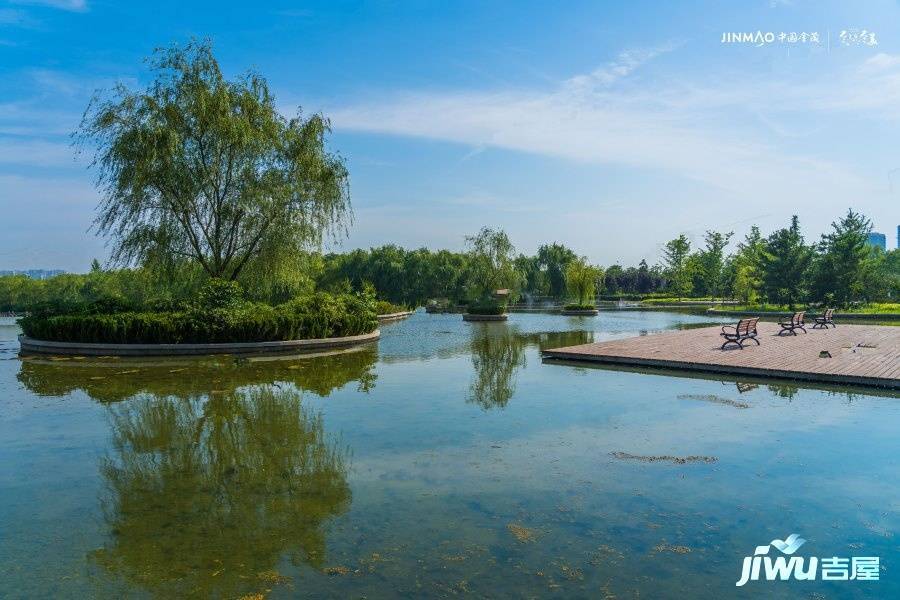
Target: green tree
552	260
534	280
491	264
199	168
785	264
675	261
844	261
746	267
712	262
888	271
743	286
582	280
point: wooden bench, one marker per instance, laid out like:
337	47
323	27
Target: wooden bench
826	319
740	333
792	324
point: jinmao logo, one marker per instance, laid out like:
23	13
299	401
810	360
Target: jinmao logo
783	568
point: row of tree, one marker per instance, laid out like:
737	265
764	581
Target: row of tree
840	269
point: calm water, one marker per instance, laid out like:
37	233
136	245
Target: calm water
445	460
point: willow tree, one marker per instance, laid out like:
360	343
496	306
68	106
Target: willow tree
491	264
582	280
203	169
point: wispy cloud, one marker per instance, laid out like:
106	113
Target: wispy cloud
624	65
591	119
15	18
70	5
31	152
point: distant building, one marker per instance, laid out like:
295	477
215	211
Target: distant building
878	239
35	273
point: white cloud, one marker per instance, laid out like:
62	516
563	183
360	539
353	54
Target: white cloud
70	5
880	62
32	152
640	129
11	16
718	143
625	64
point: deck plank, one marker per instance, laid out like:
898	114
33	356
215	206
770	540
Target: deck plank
860	354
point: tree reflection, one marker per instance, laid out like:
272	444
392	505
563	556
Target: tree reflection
784	390
108	380
496	356
499	352
205	496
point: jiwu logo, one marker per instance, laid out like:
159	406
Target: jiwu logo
780	568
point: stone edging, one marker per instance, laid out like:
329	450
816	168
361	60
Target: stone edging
394	316
475	318
593	312
33	346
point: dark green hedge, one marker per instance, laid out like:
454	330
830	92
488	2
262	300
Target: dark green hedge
579	307
319	315
486	307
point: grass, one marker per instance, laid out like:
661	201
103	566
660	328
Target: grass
874	308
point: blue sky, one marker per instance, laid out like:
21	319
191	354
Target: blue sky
611	127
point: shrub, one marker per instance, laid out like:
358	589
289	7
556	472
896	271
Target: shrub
486	307
383	307
579	307
220	293
318	315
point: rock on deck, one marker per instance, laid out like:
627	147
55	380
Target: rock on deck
860	354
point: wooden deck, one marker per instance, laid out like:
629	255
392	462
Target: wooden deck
860	354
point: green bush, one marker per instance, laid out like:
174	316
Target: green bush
486	307
383	307
220	293
579	307
319	315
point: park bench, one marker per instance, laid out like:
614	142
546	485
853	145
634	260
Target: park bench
792	324
740	333
826	319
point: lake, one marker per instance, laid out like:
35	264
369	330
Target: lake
444	460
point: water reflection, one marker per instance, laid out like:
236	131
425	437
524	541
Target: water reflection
498	352
204	498
111	380
495	359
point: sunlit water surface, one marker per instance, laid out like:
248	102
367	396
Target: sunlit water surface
445	460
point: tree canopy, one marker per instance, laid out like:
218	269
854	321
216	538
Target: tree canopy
491	263
197	167
785	261
582	280
675	258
